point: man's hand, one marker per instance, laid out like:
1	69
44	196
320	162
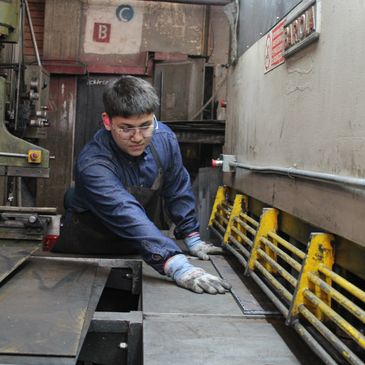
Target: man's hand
199	248
194	278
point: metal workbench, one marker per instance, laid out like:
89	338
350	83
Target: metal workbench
59	309
242	327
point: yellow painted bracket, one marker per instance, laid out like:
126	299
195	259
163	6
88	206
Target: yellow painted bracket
219	199
268	223
236	210
320	252
244	203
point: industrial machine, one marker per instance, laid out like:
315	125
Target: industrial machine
289	213
292	205
23	118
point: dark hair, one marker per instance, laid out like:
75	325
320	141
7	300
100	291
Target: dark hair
129	96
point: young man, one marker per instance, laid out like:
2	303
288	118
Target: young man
121	176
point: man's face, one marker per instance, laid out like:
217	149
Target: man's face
132	134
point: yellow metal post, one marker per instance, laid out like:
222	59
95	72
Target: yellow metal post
236	210
219	199
244	203
268	223
320	252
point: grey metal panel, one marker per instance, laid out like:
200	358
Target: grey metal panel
98	285
173	81
249	296
89	108
38	360
13	254
27	171
305	120
113	328
44	308
220	341
132	262
209	180
60	136
162	296
41	210
257	17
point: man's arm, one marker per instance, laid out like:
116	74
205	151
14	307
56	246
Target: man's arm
107	198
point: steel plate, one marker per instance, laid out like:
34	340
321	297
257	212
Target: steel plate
162	296
13	254
221	341
44	306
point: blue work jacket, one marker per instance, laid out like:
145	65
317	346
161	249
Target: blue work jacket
102	174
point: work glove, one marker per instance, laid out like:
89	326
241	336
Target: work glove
199	248
194	278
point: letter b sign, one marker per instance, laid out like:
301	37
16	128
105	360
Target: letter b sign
102	32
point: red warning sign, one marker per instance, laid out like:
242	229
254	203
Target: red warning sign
274	47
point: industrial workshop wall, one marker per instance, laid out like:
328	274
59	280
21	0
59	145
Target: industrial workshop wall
306	114
103	39
110	36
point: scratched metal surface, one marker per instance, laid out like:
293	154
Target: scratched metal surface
162	295
12	254
44	307
222	341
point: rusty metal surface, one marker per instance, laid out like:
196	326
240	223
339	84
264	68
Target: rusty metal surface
13	254
62	95
174	27
46	305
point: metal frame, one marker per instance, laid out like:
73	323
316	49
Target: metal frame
299	282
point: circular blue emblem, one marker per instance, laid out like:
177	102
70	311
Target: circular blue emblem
124	13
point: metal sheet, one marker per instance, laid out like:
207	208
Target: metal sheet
89	108
209	180
37	360
249	296
162	296
101	277
40	210
13	254
222	341
44	308
27	171
258	17
62	91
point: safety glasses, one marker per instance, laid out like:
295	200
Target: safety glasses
146	129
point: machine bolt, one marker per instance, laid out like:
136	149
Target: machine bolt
32	219
123	345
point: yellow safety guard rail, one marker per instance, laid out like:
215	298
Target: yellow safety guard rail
299	282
